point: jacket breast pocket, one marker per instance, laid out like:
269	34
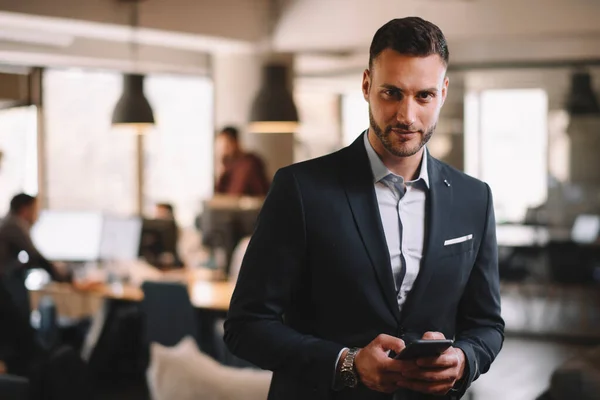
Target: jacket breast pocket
458	248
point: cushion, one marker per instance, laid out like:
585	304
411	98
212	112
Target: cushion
183	372
578	378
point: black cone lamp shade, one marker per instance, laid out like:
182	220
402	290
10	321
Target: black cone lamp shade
273	109
133	109
582	99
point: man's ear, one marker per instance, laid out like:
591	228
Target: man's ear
445	90
366	84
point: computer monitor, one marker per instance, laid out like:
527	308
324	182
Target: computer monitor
68	236
585	229
120	238
225	222
159	239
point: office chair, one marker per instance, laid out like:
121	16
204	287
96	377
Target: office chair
18	345
14	283
14	387
56	374
114	348
168	313
571	263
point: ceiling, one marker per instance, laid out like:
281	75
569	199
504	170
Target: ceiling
329	36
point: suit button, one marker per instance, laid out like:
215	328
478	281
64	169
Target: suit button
401	331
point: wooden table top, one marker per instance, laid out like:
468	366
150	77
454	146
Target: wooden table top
204	294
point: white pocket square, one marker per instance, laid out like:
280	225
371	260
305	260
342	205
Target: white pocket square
458	240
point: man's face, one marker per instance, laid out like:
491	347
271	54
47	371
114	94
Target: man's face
225	147
161	212
405	96
30	213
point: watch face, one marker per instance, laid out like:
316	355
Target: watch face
349	378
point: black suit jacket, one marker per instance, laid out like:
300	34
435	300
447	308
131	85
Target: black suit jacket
316	276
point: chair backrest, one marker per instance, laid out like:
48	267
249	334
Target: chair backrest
570	263
14	283
14	388
168	313
18	346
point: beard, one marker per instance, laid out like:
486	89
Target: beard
400	148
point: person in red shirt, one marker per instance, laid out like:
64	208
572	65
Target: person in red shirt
238	173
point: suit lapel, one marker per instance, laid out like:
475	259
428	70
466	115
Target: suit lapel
360	191
439	202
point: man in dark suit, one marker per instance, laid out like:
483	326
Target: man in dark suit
361	251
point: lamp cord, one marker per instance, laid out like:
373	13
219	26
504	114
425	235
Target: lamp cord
134	20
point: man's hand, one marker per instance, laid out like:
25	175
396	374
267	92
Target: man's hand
433	375
375	369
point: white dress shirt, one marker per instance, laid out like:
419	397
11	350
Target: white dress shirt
410	208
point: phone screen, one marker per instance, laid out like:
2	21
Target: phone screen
424	348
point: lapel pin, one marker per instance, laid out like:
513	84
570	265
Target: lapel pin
446	182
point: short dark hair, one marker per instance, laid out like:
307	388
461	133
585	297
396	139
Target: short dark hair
168	206
231	132
21	201
411	36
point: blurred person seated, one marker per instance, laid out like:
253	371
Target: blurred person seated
153	244
17	251
238	173
164	211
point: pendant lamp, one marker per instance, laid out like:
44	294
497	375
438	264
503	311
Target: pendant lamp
133	108
581	99
273	109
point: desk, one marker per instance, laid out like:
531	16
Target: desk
207	295
203	294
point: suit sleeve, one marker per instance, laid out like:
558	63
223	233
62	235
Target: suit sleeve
272	266
480	328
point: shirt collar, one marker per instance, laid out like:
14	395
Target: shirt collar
380	171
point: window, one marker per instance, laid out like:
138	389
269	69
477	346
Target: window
18	148
179	151
89	165
506	146
92	166
319	131
355	116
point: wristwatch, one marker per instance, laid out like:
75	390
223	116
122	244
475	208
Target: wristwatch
347	373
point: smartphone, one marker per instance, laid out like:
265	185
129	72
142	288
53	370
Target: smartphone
424	348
